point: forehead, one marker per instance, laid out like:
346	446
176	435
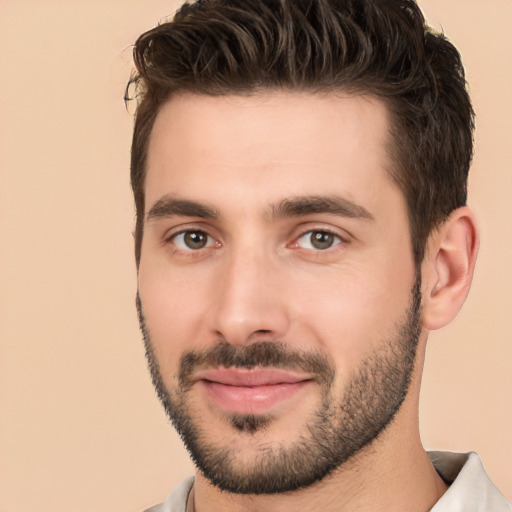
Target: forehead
270	145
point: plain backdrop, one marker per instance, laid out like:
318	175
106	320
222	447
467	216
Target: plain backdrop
80	427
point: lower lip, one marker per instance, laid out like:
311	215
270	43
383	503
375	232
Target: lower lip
253	399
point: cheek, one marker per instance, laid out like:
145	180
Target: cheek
354	312
173	304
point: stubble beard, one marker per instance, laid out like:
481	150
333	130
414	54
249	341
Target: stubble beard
338	430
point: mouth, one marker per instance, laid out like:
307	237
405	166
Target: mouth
250	391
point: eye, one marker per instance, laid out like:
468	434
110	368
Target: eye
192	240
318	240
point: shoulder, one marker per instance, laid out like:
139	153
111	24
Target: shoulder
177	500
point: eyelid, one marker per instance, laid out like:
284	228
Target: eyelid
185	227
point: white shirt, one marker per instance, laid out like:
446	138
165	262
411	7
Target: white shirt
470	488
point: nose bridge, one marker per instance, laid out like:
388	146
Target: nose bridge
249	302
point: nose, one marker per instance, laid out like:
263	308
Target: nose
250	300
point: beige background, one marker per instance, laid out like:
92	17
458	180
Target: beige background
80	428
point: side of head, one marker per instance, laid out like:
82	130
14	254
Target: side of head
385	49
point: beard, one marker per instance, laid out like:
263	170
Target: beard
338	430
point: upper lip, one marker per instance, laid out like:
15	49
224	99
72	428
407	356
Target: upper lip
244	377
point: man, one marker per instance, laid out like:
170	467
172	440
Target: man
299	171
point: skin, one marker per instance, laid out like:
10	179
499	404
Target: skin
260	279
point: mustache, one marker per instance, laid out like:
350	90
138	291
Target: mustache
262	354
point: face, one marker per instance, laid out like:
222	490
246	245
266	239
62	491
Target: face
277	290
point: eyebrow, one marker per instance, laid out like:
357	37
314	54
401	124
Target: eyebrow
168	206
306	205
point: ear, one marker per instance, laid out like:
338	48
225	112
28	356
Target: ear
447	270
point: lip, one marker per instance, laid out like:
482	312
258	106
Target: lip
254	391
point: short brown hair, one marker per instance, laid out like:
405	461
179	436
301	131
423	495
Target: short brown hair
380	47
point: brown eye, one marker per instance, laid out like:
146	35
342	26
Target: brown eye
192	240
318	240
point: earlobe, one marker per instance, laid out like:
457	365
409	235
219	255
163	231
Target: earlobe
448	268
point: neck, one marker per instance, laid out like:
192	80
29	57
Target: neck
402	481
